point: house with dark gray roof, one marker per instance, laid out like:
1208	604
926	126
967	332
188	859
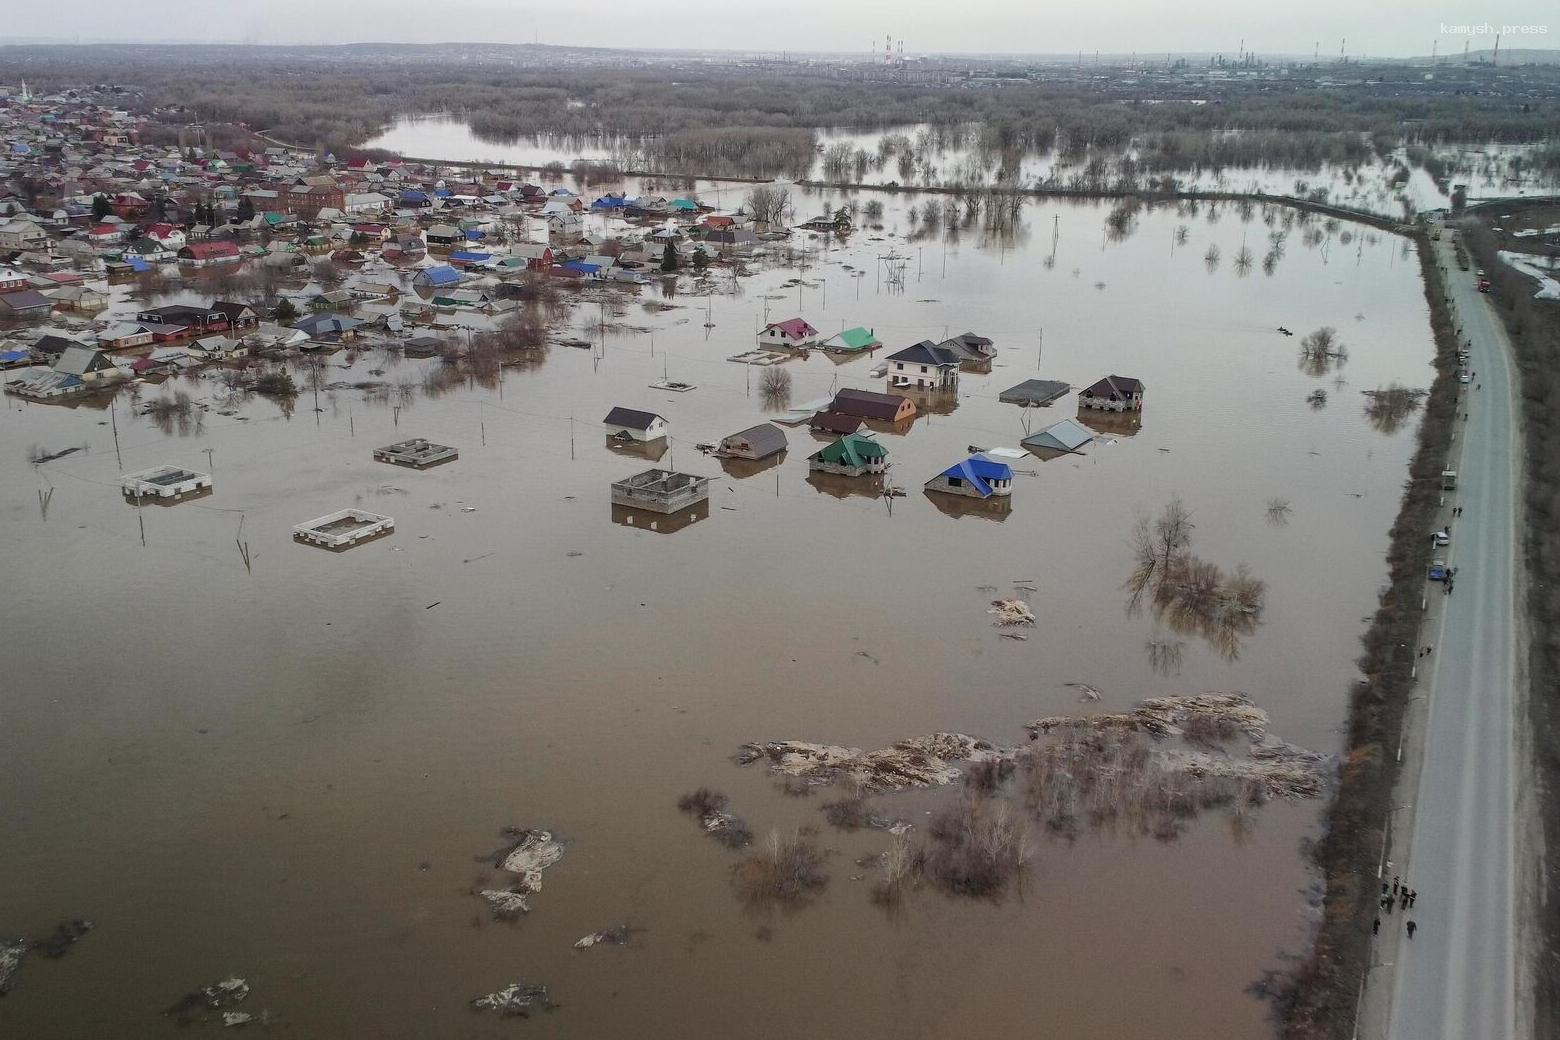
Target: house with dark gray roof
630	424
925	366
1114	394
756	442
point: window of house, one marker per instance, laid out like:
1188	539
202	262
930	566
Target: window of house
955	482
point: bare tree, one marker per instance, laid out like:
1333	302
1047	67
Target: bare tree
769	204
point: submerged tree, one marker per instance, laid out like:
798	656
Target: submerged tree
1321	352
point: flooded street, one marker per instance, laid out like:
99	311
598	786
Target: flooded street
297	772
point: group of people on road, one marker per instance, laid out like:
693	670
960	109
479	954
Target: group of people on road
1400	895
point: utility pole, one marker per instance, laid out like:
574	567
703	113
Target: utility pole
114	419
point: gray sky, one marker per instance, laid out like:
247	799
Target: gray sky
1376	27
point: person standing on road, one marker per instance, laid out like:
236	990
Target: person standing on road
1396	882
1412	927
1375	929
1413	897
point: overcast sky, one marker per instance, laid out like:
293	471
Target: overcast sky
1375	27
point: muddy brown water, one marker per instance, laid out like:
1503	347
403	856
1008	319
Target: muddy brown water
289	774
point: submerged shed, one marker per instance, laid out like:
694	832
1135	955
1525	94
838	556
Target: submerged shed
756	442
1063	435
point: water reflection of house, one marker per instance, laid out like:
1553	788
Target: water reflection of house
941	401
1111	424
1113	394
836	485
741	469
660	523
996	509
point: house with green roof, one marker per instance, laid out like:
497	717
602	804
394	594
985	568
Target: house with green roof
852	341
852	455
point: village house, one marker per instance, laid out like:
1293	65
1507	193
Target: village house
124	335
756	442
165	235
195	320
834	422
633	425
852	455
1113	394
791	333
975	477
866	404
12	280
366	202
26	303
22	234
972	351
852	341
86	363
238	315
207	254
923	366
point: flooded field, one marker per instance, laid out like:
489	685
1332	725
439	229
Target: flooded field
903	155
242	756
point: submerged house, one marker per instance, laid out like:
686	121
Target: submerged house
630	424
971	350
1063	435
925	366
867	404
853	455
975	477
1034	393
756	442
1114	394
852	341
660	491
791	333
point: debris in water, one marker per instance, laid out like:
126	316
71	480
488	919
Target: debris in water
710	808
863	653
506	905
11	953
197	1004
1085	691
917	762
1014	635
1011	612
531	852
619	936
65	935
516	1000
55	945
237	1018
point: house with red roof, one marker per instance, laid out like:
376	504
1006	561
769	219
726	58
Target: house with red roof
790	334
103	234
205	254
166	235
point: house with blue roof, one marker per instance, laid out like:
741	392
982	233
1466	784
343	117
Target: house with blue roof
975	477
437	277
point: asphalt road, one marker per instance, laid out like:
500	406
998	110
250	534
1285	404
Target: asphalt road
1456	979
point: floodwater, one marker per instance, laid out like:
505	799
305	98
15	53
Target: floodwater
1490	171
290	773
